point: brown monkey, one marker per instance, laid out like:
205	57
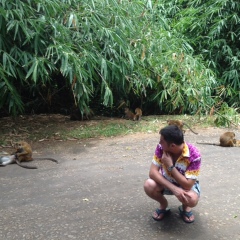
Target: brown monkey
6	160
180	124
129	114
138	114
227	139
23	153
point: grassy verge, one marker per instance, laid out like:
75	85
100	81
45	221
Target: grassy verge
124	127
58	127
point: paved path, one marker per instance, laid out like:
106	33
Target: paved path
96	192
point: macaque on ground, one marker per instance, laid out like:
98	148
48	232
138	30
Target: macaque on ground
138	114
23	153
131	116
227	139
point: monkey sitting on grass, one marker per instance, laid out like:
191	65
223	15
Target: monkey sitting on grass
131	116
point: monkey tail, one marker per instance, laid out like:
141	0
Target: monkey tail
205	143
24	166
47	158
190	129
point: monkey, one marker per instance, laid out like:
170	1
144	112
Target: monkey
23	153
128	114
180	124
138	114
227	139
6	160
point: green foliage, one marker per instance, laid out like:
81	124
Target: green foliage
227	116
102	49
213	27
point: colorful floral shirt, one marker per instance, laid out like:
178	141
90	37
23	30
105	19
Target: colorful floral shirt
188	164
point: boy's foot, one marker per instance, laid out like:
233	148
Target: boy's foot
187	217
159	214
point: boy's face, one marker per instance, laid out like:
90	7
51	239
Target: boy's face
165	146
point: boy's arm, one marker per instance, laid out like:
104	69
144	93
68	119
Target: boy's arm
180	193
185	183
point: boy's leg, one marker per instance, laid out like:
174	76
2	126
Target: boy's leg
154	191
186	208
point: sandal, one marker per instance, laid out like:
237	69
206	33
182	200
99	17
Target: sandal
185	215
160	211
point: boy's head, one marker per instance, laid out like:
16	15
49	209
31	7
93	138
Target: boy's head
172	134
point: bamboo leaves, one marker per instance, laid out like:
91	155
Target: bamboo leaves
107	50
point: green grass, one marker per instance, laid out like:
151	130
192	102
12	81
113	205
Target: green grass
105	130
59	128
146	125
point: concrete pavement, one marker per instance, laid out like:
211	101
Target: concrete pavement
96	193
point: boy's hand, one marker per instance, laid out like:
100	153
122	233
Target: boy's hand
167	159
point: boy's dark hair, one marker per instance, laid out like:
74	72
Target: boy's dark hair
172	134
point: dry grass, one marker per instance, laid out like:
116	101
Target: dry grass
59	127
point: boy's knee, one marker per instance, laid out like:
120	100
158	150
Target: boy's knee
146	185
193	200
149	185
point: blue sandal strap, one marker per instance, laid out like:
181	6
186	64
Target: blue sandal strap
185	214
159	211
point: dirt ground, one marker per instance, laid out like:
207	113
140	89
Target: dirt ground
96	191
